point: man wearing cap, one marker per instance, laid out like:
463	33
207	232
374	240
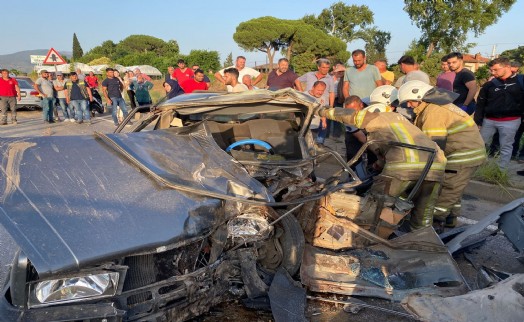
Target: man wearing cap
112	89
182	73
59	85
45	88
9	93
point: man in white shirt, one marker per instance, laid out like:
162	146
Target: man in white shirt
240	65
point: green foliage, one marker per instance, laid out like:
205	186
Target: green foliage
265	34
303	62
341	20
482	74
351	22
446	23
516	54
100	61
310	42
229	61
206	59
146	44
376	42
14	71
490	172
429	65
77	49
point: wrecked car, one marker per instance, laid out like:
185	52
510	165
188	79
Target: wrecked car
202	200
161	224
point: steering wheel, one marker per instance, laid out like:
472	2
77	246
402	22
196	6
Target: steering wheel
261	143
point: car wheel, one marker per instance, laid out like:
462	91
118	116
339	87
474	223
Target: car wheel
285	248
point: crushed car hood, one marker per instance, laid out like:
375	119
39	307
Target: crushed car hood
74	201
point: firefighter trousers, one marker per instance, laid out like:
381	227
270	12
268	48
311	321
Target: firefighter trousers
423	200
453	185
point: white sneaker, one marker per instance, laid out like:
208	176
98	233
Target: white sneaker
72	120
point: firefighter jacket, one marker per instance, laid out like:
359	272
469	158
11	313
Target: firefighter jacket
400	163
454	131
81	84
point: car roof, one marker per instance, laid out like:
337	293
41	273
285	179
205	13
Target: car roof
285	100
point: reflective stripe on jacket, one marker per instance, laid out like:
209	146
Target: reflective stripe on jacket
455	131
81	84
401	163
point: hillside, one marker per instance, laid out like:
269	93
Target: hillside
21	61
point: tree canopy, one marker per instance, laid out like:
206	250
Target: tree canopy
351	22
293	37
147	50
77	49
445	23
265	34
516	54
342	21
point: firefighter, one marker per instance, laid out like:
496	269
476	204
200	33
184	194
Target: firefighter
401	167
455	133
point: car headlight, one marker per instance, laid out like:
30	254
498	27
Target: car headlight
72	289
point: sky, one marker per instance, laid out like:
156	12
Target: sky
207	24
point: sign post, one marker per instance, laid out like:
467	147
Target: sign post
53	58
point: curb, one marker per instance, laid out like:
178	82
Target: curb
493	192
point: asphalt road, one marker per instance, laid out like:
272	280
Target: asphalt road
497	252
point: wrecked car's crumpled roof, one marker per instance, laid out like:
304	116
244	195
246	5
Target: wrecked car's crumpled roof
205	102
73	201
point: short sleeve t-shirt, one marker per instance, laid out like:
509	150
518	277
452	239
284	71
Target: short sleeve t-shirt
245	71
182	76
59	94
459	85
445	80
285	80
46	86
113	87
7	87
362	83
191	85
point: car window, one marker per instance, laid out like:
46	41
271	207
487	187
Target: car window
23	84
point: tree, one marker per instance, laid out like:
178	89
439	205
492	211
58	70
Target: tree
310	44
265	34
77	49
341	20
206	59
229	60
445	23
351	22
516	54
376	42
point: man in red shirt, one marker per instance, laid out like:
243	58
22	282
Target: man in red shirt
195	83
182	73
8	91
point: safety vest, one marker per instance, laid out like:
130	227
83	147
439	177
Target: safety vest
455	131
81	84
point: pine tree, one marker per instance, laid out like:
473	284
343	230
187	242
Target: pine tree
77	49
229	60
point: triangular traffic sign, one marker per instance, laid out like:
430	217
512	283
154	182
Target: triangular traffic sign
53	58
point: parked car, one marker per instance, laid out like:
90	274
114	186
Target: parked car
189	210
30	98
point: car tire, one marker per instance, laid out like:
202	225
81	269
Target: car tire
290	240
